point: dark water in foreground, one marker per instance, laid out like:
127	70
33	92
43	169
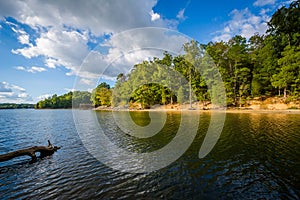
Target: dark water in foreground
256	157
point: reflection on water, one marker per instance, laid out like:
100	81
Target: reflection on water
257	156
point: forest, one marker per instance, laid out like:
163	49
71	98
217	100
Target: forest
16	106
69	100
264	65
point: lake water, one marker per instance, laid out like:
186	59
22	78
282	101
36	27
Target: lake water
256	157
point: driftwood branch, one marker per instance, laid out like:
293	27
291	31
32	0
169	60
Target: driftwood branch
44	151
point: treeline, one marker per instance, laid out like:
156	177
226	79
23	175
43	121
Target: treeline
69	100
265	65
16	106
101	95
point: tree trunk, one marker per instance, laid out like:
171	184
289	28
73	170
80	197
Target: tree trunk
284	93
44	151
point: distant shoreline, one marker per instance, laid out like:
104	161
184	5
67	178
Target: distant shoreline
16	106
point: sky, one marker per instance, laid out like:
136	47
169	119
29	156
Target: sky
53	47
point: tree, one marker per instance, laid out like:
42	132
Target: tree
181	96
192	55
265	65
285	23
69	100
102	95
289	75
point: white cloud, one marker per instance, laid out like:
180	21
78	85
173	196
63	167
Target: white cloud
44	96
15	87
33	69
244	23
264	2
97	16
86	81
129	48
23	37
180	14
154	16
10	93
4	87
52	62
264	11
59	48
223	37
23	95
21	68
64	33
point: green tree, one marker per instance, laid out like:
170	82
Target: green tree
68	100
284	24
102	95
288	77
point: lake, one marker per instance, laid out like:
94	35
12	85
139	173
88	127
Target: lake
256	157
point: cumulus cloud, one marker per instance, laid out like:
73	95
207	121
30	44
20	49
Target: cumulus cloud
10	93
64	33
129	48
33	69
244	23
154	16
98	16
58	48
23	37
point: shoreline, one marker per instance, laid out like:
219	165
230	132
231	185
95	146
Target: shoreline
227	110
256	105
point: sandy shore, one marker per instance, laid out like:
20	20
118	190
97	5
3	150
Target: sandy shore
228	110
264	111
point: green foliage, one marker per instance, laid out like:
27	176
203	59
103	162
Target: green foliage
102	95
148	83
16	106
68	100
181	97
289	75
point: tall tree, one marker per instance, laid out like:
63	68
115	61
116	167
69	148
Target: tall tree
102	95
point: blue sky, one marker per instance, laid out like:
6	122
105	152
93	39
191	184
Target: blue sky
48	47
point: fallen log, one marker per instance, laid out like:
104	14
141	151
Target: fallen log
43	150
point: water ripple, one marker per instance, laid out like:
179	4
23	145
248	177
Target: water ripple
257	157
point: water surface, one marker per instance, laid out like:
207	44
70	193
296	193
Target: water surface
257	156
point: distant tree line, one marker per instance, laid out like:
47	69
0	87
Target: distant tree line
16	106
69	100
264	65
